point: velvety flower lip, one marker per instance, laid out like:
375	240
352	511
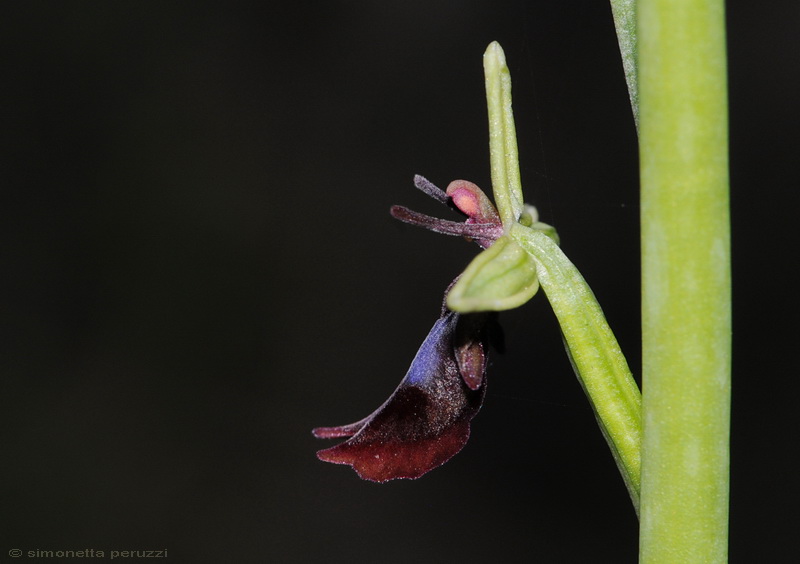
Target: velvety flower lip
426	421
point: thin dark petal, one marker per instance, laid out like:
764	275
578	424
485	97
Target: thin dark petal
431	189
422	424
446	227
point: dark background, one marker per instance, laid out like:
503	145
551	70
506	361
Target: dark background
198	267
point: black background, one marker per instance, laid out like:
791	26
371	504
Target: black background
198	267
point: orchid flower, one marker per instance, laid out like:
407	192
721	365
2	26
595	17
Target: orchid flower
426	421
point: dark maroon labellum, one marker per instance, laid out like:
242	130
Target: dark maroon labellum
427	419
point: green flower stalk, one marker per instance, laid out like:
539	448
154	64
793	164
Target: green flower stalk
686	319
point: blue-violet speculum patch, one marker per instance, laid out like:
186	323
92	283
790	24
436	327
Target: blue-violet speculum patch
426	421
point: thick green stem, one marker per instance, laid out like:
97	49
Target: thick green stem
624	12
598	361
686	319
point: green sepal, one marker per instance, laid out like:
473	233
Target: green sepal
503	151
501	277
